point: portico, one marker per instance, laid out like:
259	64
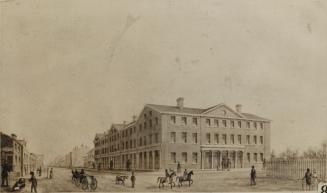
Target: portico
219	156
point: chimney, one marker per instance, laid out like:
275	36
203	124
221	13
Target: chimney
238	108
134	117
180	102
14	136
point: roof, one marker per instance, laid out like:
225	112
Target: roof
198	111
176	109
118	126
252	116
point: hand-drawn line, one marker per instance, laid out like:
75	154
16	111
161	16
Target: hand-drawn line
114	44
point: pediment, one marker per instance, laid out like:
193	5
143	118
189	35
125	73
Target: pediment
222	110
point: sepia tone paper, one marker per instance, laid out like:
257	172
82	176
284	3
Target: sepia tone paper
153	88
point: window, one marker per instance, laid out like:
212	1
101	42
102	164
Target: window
225	139
261	157
150	123
157	121
144	116
232	124
150	113
184	120
216	122
216	138
261	125
248	124
173	119
144	125
173	137
239	124
248	139
173	157
194	137
232	139
184	157
239	139
208	138
195	121
261	140
194	158
140	127
255	125
184	137
140	141
144	140
208	122
255	157
255	139
156	138
248	157
150	139
224	123
134	143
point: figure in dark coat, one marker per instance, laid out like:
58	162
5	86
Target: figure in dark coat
253	175
33	182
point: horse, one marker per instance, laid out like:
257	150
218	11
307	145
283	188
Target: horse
168	179
188	178
121	179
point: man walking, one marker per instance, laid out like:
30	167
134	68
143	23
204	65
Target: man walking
133	179
51	173
307	177
253	175
4	174
34	182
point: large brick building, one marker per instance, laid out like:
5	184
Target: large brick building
163	135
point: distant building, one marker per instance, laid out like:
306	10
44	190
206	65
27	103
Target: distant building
72	159
198	138
89	161
12	152
16	154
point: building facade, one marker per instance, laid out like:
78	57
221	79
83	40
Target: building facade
163	136
89	161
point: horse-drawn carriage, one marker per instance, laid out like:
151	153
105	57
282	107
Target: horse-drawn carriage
84	181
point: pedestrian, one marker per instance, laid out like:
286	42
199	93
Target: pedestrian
133	179
51	173
40	170
308	177
34	182
253	175
179	167
4	174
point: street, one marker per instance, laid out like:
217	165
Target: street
232	181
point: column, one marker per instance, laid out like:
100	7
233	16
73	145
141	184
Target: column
220	157
211	159
153	160
236	160
202	159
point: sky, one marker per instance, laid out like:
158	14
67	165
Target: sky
71	68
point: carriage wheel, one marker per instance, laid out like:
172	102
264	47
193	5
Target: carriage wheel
94	184
191	181
85	184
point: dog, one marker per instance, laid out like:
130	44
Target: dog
121	179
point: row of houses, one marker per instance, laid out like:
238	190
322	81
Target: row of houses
15	153
76	158
162	136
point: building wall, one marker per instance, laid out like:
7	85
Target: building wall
190	154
